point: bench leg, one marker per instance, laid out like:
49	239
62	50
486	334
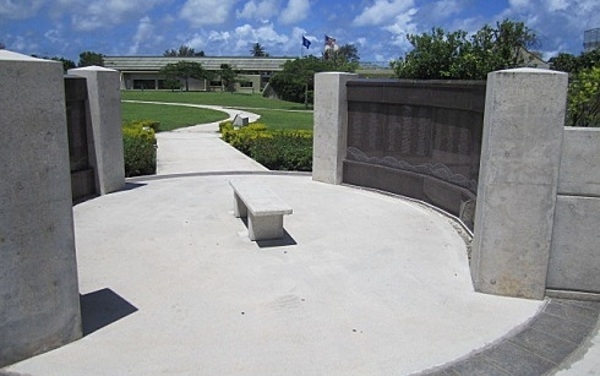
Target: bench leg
266	227
239	208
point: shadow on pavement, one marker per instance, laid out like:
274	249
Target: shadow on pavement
101	308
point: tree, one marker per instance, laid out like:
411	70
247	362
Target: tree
184	70
258	50
228	77
456	55
67	64
574	64
2	46
349	52
564	62
183	51
296	81
88	58
346	57
583	100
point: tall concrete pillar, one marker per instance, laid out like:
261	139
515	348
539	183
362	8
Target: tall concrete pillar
104	98
330	126
516	199
39	296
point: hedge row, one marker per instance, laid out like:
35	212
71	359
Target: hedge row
139	146
289	150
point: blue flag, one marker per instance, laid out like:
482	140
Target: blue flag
305	42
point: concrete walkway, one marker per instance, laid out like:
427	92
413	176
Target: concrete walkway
362	284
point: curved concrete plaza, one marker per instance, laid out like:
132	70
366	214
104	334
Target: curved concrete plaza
362	283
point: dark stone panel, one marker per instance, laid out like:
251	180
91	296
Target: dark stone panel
575	313
589	304
430	129
443	372
549	347
388	180
516	360
558	327
456	200
463	95
540	347
476	365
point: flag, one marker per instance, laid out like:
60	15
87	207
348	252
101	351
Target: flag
329	41
305	42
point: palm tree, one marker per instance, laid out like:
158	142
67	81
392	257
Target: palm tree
258	50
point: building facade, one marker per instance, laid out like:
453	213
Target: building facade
591	39
142	72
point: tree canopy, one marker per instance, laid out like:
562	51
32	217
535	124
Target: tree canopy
296	81
67	64
573	64
183	51
583	100
258	51
458	55
88	58
183	70
228	76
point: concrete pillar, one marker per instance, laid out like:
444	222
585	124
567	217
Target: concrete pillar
39	296
516	199
104	97
330	126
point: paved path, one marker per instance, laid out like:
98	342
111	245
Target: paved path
198	148
362	284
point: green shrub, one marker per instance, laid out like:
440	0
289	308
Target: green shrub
583	101
139	145
289	150
243	138
153	124
285	150
225	126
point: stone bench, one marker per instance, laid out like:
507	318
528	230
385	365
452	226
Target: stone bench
263	208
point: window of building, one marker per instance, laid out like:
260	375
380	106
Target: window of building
144	84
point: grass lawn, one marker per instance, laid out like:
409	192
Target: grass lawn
275	114
170	117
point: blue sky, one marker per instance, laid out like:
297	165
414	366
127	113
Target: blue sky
377	28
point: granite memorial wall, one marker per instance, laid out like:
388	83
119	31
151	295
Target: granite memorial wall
420	139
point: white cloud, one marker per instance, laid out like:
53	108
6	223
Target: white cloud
404	24
219	36
144	33
96	14
295	11
382	11
445	8
556	22
19	9
263	9
197	42
246	35
53	35
206	12
21	44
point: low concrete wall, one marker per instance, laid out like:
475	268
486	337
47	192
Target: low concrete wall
522	139
538	183
104	99
330	126
575	253
39	297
